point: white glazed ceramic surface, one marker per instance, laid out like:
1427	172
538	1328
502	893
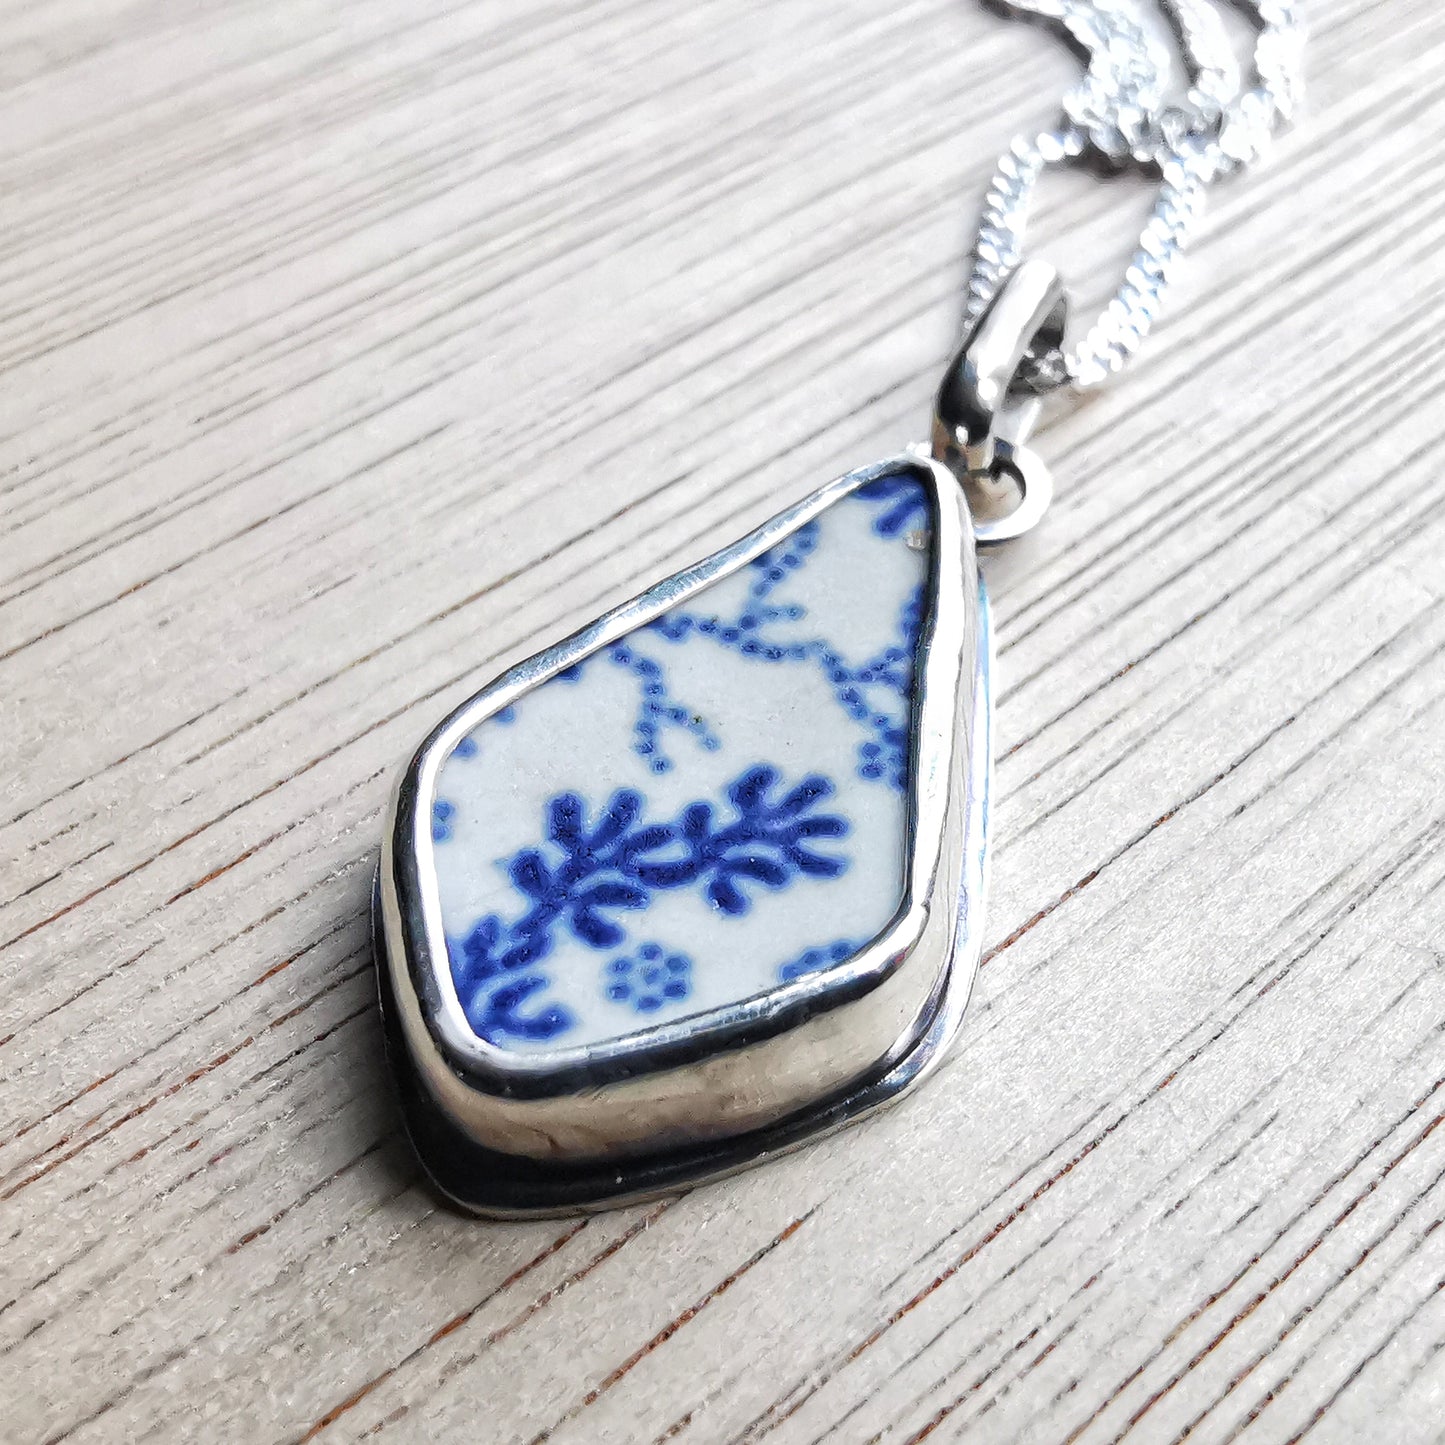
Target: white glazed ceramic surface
701	811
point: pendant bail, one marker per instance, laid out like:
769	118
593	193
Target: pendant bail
985	409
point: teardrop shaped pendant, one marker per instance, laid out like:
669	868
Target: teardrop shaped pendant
702	881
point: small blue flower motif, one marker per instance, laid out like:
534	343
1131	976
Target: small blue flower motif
887	759
442	813
814	960
467	748
648	979
507	716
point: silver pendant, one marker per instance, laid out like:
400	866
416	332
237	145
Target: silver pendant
704	880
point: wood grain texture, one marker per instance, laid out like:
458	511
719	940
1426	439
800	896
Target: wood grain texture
353	351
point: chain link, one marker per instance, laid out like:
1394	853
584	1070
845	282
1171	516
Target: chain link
1121	115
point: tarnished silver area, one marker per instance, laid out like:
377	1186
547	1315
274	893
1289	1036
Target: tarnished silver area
504	1133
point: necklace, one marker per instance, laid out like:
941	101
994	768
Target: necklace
704	880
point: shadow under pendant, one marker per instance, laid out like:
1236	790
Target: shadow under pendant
702	881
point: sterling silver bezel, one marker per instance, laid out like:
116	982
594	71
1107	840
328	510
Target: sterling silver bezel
930	945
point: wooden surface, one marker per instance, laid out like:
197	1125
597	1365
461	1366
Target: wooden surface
353	351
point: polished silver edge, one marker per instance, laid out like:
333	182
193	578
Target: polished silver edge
616	1186
411	911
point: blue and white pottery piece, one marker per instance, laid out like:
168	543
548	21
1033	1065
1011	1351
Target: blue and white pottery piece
696	883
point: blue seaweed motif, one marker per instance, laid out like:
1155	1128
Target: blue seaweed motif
590	871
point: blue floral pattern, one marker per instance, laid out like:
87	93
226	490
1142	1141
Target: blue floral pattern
876	693
595	871
905	506
442	813
542	941
649	979
814	960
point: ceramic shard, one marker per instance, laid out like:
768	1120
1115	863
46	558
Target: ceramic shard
701	810
699	868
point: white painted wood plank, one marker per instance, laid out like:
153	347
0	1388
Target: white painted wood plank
352	352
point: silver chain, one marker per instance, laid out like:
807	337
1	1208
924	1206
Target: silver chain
1121	115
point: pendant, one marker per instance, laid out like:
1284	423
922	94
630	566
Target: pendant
704	880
